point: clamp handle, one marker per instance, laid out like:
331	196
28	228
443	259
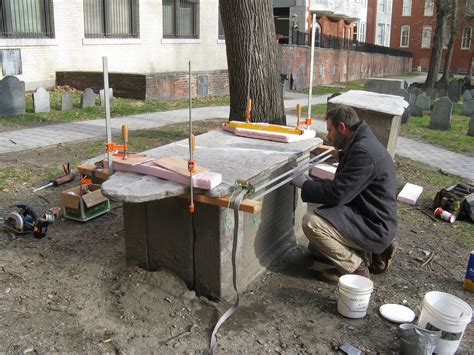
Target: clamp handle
248	110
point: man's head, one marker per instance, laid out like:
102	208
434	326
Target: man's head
341	122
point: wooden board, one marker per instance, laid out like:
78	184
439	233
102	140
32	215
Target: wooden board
131	160
323	148
178	165
246	205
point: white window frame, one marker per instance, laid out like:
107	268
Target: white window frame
381	34
407	29
362	32
423	37
406	9
466	38
382	6
429	6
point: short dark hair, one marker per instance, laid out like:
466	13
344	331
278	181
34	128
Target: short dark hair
344	114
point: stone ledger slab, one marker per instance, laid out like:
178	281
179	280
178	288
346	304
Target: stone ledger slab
384	86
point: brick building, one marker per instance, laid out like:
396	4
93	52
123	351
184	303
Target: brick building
413	27
379	19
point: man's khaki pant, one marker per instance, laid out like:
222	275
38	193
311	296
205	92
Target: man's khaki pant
331	243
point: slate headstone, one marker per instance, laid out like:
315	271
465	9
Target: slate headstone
102	98
66	101
423	101
468	108
431	92
12	96
295	82
441	116
441	89
41	100
468	95
442	92
88	98
470	131
406	115
403	93
454	90
203	87
416	110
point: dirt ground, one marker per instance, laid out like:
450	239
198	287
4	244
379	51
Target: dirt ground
72	290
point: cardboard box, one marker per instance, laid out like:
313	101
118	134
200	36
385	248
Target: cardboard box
82	203
96	174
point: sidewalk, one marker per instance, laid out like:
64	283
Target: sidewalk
16	141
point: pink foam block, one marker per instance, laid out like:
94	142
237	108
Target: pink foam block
323	171
410	194
271	136
205	180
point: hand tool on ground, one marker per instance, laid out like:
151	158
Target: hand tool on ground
68	176
41	224
22	221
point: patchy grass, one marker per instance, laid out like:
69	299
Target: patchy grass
318	111
455	139
341	87
407	74
120	107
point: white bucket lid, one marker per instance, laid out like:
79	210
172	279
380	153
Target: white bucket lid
453	309
356	283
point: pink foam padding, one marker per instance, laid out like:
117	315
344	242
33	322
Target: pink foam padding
410	194
323	171
206	180
272	136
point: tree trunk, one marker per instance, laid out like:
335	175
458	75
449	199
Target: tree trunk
436	51
449	52
253	61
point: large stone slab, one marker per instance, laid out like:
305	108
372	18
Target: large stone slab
468	107
384	86
88	98
41	100
66	101
102	98
12	96
441	116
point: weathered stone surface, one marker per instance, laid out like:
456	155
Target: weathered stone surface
403	93
41	100
66	101
454	90
384	86
371	101
468	107
88	98
441	116
431	93
470	131
423	101
102	98
468	95
12	96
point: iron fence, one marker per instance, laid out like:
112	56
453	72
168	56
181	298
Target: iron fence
323	41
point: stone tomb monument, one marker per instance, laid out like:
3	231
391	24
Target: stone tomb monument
102	98
66	101
41	101
384	86
88	98
381	112
12	96
441	116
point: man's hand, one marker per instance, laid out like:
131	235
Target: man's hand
299	180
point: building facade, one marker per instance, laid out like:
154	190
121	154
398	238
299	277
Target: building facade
41	37
414	23
379	20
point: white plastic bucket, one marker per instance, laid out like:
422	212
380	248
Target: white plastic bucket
354	295
445	312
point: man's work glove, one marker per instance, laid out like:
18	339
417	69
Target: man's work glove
299	180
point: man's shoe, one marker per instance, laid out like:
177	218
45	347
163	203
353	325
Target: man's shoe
362	270
330	276
381	262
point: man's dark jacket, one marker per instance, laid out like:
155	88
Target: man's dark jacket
360	202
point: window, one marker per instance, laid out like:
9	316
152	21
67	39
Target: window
181	18
406	8
426	37
429	7
26	19
220	27
362	32
354	32
110	18
405	36
380	34
466	38
382	6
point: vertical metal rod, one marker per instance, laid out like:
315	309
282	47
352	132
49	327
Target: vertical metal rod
310	91
108	123
190	134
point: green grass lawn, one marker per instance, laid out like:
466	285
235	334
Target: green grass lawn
323	90
120	107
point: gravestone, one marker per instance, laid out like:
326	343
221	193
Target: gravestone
102	98
88	98
441	89
41	101
203	87
441	116
66	101
295	82
432	93
423	101
454	90
12	96
403	93
468	108
468	95
470	131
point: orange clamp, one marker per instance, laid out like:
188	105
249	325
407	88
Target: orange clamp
191	166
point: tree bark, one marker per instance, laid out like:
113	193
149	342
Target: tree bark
449	53
253	61
436	51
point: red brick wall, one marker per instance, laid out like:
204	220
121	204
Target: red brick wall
421	56
339	66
